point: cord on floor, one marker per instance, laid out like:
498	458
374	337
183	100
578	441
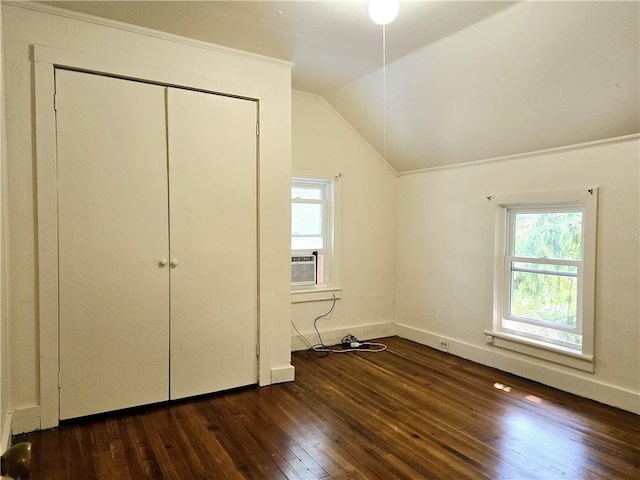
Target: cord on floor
349	342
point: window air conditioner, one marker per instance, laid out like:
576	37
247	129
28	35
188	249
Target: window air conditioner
303	270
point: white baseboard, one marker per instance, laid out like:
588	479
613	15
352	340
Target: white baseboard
282	373
334	337
535	370
24	420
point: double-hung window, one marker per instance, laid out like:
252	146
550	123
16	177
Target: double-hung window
314	262
309	208
545	275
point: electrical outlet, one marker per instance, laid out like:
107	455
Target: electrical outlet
443	344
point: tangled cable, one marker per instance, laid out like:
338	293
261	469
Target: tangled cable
349	342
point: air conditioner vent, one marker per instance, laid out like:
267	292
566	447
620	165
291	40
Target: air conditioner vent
303	270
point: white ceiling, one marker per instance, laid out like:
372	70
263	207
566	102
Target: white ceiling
465	80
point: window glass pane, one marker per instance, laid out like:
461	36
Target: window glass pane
310	192
544	332
549	234
544	297
306	219
306	243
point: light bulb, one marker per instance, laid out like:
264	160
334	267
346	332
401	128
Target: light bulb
383	11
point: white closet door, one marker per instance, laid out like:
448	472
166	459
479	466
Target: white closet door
213	216
113	234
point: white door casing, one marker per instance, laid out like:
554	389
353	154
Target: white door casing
205	68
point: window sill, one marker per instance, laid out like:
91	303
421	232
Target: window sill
315	294
541	350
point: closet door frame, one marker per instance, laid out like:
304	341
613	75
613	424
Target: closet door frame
45	61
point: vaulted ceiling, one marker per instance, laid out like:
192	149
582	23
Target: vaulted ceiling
461	80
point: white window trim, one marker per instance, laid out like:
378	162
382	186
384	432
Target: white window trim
588	199
326	291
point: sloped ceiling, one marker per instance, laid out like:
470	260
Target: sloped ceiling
463	81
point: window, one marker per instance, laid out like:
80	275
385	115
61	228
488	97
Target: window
314	245
309	214
545	264
543	267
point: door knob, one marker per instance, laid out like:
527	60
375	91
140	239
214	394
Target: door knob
174	263
162	262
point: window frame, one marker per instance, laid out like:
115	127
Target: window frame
510	258
332	234
557	351
326	201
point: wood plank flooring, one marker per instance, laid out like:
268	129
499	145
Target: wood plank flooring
408	413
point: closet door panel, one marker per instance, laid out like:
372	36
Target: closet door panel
213	217
113	232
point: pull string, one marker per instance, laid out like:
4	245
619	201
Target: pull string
384	90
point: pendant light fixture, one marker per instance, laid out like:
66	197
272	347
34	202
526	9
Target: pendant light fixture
383	11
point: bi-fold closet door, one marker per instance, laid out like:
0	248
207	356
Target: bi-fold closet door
157	235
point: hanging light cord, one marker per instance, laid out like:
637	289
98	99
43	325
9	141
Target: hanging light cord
384	89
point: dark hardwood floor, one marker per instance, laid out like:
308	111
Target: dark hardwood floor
408	413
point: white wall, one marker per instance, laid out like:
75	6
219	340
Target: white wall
152	56
323	141
446	251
